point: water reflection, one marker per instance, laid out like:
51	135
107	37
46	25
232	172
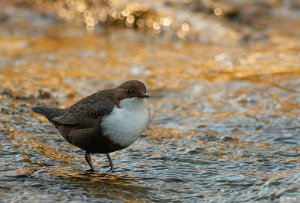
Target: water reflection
224	119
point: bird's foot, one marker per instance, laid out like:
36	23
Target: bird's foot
90	170
111	170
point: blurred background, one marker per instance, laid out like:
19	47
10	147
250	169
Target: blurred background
224	76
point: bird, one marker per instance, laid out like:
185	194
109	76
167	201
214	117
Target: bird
104	122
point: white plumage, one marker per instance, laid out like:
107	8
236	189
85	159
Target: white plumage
124	125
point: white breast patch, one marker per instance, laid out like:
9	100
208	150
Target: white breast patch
124	125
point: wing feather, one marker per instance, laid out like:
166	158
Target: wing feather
85	113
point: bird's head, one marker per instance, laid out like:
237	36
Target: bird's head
133	89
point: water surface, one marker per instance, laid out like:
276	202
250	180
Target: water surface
224	124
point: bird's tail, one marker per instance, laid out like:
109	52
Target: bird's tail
47	111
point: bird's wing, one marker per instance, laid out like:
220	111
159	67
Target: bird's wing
84	113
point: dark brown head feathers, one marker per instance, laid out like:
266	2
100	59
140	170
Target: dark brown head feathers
129	89
134	85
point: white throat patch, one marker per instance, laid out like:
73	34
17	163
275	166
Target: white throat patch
124	125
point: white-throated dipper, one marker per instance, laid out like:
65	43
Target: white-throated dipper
104	122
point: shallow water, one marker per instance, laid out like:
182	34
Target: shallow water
224	124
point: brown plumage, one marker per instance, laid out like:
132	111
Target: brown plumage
80	124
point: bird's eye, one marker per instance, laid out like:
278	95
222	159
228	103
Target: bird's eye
129	91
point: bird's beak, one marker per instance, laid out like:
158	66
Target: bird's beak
145	96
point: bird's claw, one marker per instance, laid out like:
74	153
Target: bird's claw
91	171
111	170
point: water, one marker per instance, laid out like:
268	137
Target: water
224	116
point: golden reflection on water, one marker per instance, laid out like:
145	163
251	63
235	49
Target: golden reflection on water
165	64
188	81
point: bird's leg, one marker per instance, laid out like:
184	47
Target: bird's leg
88	159
110	163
